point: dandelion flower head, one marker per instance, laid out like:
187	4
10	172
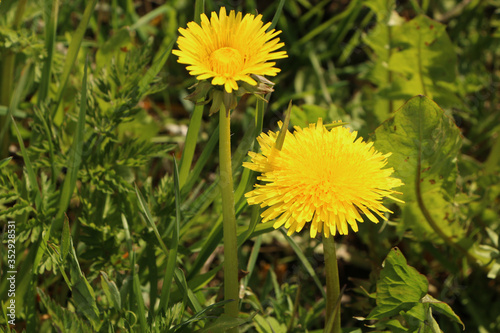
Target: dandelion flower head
327	178
229	48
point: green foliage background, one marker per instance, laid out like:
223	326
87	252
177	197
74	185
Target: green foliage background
112	235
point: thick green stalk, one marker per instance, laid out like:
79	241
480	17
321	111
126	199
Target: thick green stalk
332	286
231	287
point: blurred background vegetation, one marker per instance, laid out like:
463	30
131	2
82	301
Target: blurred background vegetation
98	110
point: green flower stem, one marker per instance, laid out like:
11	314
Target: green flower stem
332	286
231	287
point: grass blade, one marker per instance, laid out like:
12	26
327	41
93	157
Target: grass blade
180	280
135	287
33	183
172	255
305	262
195	123
202	161
138	296
14	102
277	15
158	63
5	161
199	8
251	261
149	218
50	38
73	49
190	144
75	157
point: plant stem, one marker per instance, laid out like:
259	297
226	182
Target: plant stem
231	287
332	285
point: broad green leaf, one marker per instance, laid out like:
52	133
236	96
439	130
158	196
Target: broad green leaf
443	308
380	40
425	61
424	143
409	58
399	288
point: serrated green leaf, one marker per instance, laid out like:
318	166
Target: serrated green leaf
424	143
399	288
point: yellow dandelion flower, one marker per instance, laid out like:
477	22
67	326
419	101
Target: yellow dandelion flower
229	48
325	177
